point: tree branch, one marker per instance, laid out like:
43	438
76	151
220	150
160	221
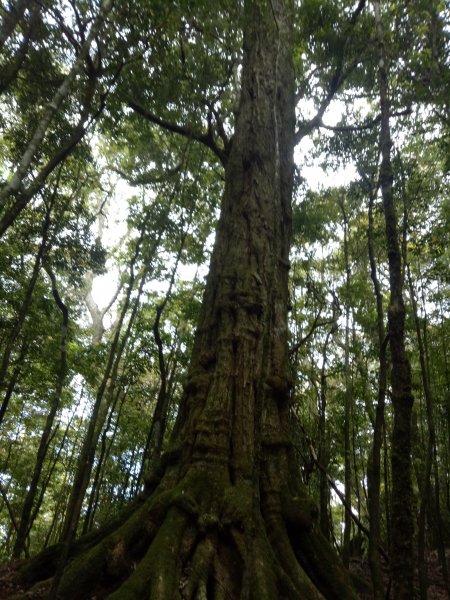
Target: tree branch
366	125
338	78
336	82
24	196
315	325
15	182
9	507
205	138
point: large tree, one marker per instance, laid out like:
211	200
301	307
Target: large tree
225	515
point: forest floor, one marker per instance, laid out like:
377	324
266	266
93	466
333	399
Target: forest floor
359	566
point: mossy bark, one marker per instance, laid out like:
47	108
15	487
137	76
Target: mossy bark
228	517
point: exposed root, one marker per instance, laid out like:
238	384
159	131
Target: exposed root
224	585
288	561
156	576
193	542
43	565
114	557
200	568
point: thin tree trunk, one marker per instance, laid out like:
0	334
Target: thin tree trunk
348	399
14	378
374	462
23	312
430	463
355	470
103	456
446	451
402	562
102	471
99	412
61	505
155	438
25	519
97	315
128	475
11	70
439	525
88	450
323	447
387	475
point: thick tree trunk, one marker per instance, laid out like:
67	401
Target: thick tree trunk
228	517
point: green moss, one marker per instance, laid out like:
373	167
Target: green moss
158	571
42	566
200	567
264	580
237	505
83	572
